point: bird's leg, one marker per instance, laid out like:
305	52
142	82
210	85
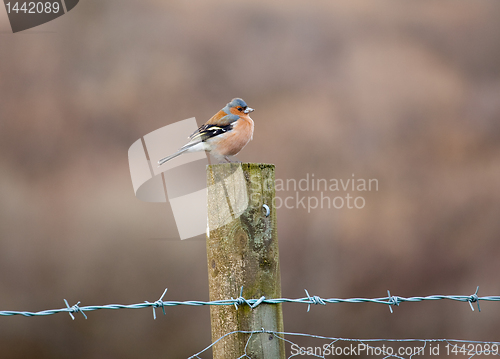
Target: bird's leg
226	159
235	160
208	158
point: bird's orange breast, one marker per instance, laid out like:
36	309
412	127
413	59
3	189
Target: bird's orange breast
237	138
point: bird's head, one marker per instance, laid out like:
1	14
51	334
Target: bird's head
238	107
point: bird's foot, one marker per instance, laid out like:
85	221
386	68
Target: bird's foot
229	161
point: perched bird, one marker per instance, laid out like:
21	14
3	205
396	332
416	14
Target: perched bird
225	134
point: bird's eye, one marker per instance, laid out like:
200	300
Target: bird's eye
240	109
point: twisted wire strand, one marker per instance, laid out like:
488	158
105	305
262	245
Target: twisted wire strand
493	347
253	303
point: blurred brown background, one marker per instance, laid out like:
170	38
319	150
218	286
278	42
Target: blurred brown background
404	92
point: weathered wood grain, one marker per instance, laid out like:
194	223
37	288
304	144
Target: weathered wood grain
242	250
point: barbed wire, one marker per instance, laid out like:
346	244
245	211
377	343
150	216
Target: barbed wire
455	347
390	300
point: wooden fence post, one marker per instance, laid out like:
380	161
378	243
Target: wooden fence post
242	251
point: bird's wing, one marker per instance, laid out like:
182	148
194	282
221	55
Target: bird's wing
208	131
221	118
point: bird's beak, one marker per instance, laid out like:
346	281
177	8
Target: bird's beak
248	110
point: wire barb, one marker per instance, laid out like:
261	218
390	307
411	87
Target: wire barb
474	299
240	300
74	309
159	303
392	300
313	300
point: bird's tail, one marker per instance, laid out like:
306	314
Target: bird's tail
168	158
